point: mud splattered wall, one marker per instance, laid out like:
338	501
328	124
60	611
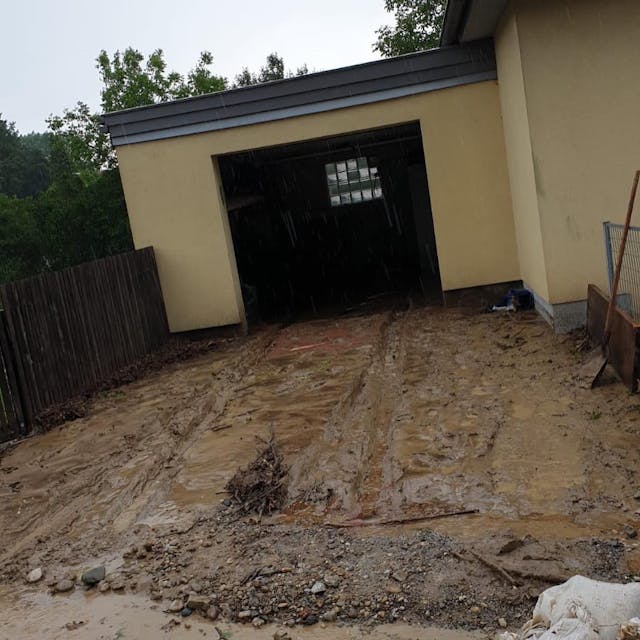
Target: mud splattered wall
173	193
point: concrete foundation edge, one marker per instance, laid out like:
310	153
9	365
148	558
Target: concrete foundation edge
563	317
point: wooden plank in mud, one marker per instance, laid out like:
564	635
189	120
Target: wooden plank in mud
624	345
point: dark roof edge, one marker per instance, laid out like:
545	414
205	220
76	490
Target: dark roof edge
271	84
468	20
313	93
454	17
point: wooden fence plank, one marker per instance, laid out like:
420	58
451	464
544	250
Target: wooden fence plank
70	330
11	416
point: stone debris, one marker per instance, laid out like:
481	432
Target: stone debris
175	606
35	575
92	577
63	586
197	602
318	588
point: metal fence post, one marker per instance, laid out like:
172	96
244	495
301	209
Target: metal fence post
608	251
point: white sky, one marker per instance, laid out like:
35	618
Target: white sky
48	47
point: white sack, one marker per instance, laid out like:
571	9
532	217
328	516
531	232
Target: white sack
583	609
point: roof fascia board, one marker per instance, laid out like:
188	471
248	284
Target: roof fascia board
291	112
363	84
468	20
453	19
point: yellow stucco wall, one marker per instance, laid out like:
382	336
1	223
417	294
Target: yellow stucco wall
513	100
581	70
173	189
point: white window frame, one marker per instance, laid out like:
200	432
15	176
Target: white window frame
352	181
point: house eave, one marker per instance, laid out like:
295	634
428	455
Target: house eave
314	93
468	20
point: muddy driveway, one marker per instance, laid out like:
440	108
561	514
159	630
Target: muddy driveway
444	467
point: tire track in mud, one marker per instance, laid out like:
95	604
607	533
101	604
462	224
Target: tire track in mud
346	464
89	506
201	410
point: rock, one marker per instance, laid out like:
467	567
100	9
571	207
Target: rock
475	609
196	587
281	635
35	575
117	584
502	623
92	577
257	622
245	615
103	586
510	546
175	606
399	576
329	616
212	613
318	587
155	595
310	619
331	580
186	612
630	532
63	586
73	625
197	602
71	575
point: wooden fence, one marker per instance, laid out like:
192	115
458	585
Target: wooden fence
65	332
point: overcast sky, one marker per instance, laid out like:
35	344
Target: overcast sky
48	47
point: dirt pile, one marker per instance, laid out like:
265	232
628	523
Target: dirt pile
261	487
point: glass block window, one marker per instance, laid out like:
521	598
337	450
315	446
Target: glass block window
351	181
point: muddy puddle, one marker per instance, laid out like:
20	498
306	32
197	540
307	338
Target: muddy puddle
119	617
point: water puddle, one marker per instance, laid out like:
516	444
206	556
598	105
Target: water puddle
112	617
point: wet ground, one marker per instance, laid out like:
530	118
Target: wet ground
418	442
119	617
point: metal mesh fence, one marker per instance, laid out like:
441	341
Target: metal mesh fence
628	297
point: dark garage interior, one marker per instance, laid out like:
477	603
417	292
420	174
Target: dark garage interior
332	224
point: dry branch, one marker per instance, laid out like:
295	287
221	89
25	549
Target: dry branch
261	487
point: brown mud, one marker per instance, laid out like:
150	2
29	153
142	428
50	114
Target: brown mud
389	417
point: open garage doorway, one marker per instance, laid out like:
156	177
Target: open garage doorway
332	224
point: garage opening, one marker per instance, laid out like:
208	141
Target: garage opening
332	224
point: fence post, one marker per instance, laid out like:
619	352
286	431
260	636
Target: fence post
609	252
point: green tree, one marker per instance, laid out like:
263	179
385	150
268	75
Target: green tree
129	81
79	144
63	202
24	166
20	250
417	27
272	70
